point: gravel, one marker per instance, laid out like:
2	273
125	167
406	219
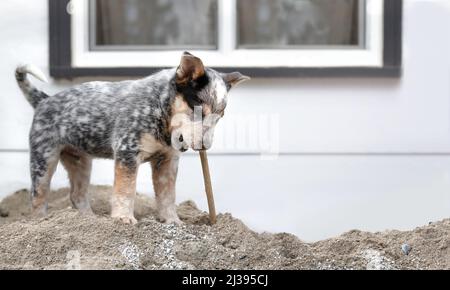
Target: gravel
66	239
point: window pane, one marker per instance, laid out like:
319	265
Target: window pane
162	24
290	23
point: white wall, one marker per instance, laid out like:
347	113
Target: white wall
318	187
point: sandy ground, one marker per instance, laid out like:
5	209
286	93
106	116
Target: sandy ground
67	240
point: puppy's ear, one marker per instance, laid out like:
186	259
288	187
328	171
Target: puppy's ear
190	68
234	78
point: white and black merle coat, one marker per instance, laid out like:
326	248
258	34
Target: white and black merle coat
132	122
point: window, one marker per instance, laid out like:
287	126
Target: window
294	24
258	37
152	25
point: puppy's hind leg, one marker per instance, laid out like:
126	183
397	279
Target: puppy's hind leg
78	167
43	162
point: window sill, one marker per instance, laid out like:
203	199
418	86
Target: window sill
275	72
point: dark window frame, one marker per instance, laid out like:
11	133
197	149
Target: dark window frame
61	67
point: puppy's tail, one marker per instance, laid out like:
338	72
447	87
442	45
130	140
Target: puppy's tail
32	94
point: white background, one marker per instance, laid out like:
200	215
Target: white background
318	187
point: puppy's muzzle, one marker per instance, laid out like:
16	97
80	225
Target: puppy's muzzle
184	147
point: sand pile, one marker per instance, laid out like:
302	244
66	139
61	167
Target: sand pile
68	240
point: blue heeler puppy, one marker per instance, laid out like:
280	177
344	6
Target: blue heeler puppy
133	122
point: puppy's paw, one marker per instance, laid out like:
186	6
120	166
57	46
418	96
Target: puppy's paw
171	219
175	221
86	211
84	207
128	220
39	211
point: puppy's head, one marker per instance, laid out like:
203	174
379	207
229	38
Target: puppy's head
200	102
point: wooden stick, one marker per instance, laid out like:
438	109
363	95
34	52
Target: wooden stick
208	186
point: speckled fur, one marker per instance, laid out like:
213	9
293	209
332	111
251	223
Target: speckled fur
128	121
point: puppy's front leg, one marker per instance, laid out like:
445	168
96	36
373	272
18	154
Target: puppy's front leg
122	201
164	173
